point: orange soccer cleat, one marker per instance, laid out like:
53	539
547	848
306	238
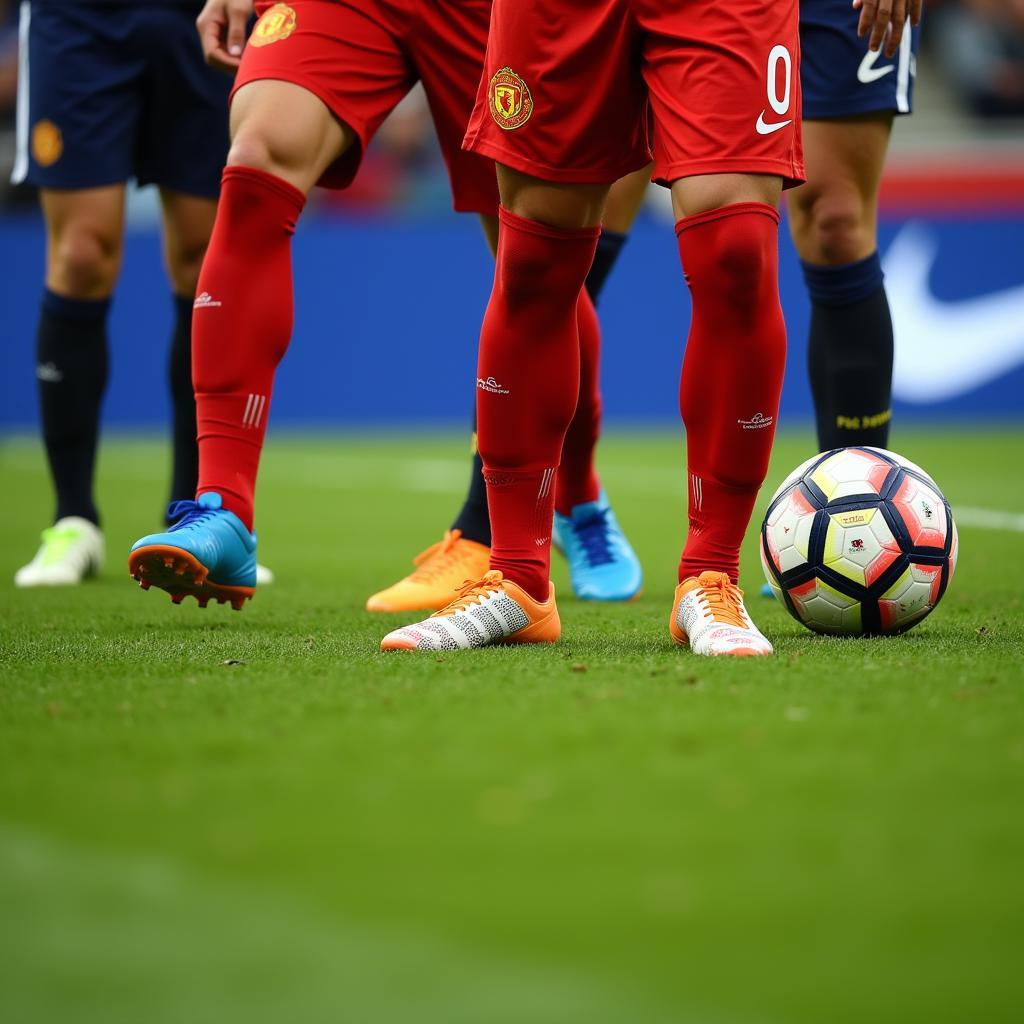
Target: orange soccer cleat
489	611
440	572
708	616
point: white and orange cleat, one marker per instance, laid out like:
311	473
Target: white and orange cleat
708	616
490	611
440	573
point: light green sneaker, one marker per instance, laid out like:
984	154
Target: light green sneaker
72	550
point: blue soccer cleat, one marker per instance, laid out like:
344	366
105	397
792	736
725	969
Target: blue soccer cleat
207	552
602	564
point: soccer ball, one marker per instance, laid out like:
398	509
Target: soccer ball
859	542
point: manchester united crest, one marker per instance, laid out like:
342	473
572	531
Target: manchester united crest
47	143
277	23
510	100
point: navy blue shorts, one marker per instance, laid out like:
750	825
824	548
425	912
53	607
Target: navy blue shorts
840	77
113	91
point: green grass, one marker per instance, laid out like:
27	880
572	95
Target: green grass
609	830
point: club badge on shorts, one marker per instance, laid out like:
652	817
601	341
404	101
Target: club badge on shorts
47	143
276	23
510	100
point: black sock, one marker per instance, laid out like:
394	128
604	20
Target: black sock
185	470
71	367
849	355
473	519
609	245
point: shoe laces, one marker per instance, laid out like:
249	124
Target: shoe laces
184	513
723	600
438	559
56	542
594	534
472	592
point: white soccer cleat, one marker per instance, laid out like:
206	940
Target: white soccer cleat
708	616
490	611
72	550
264	576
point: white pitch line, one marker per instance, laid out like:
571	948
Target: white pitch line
988	519
352	471
437	476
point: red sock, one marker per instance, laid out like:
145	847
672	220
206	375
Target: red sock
527	385
732	375
577	481
241	326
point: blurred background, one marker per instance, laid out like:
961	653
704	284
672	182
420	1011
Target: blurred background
386	272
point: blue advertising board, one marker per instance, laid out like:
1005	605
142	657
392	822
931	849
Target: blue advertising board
388	312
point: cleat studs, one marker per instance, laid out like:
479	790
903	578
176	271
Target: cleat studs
145	584
237	602
202	601
177	598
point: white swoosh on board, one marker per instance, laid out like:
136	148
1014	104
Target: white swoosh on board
946	348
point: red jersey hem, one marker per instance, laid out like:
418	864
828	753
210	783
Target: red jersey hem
572	175
791	172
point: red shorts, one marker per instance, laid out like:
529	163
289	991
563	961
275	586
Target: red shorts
571	88
362	56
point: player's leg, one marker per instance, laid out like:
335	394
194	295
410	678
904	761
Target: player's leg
298	117
188	223
527	387
577	482
833	220
850	97
602	563
624	202
727	171
283	140
84	230
729	395
76	122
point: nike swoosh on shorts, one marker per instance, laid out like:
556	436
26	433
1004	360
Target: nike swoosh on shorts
767	127
867	72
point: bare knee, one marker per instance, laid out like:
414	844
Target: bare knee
835	228
565	207
183	266
282	129
83	262
251	148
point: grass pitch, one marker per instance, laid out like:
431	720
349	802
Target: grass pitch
212	816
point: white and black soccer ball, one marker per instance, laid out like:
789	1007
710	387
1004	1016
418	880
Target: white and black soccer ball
859	542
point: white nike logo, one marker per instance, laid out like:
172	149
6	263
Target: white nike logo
867	72
767	127
945	349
